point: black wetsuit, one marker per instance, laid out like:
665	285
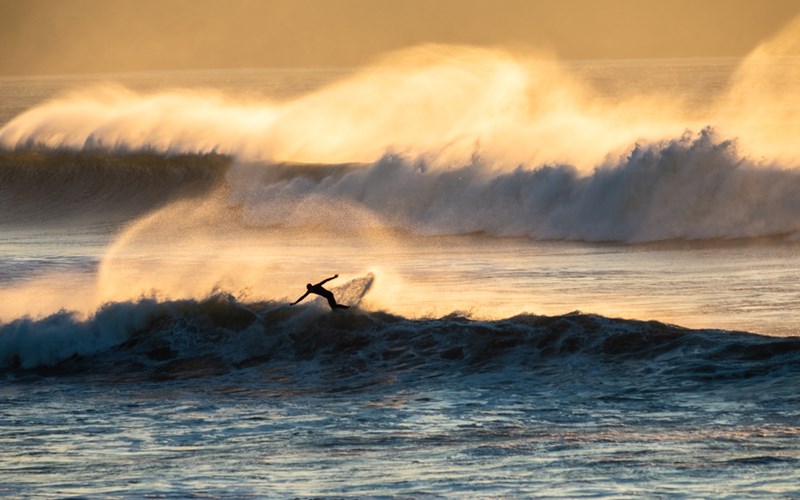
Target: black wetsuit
322	292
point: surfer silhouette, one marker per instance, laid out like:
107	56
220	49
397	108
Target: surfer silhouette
323	292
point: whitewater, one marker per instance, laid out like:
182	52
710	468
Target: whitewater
566	279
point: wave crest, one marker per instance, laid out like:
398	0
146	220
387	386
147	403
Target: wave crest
693	187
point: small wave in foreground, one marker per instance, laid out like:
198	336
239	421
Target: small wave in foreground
189	338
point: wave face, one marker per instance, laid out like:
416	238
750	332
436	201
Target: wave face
188	339
47	187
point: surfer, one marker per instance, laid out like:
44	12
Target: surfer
323	292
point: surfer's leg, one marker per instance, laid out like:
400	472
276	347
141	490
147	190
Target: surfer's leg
333	304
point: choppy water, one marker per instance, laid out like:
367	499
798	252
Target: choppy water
222	399
513	330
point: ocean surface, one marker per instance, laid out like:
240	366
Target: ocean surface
566	280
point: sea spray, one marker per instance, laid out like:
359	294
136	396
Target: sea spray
440	103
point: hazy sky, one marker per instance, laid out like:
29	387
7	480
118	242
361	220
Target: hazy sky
68	36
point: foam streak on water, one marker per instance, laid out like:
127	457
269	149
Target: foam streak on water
487	435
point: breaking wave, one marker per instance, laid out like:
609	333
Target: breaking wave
219	335
693	187
432	140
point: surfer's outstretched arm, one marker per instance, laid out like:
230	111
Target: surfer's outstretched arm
327	280
298	300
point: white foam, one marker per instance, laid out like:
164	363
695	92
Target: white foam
31	342
691	187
